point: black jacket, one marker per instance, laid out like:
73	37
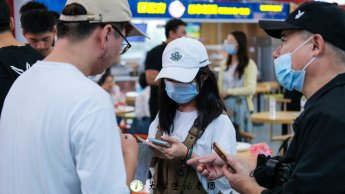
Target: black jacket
317	151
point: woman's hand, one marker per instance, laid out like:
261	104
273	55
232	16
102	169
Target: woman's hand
177	149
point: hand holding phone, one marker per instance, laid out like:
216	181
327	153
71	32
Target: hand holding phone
146	142
159	142
149	143
221	154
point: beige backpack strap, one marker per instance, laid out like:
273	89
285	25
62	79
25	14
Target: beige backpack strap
174	176
159	132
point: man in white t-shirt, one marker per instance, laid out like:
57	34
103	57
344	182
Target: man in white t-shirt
57	131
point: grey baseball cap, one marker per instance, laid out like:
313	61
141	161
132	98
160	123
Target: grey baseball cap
104	11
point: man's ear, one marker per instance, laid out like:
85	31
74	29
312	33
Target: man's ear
54	29
105	34
172	34
11	23
319	44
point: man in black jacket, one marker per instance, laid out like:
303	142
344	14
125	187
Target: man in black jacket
310	59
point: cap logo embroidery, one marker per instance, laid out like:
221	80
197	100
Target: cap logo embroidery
175	56
299	14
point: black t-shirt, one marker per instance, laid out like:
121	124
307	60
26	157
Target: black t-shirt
154	61
14	61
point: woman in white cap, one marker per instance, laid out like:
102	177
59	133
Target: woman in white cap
191	117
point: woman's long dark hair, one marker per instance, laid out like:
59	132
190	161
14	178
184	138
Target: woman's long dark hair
242	53
103	78
208	102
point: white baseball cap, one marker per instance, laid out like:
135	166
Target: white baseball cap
104	11
182	59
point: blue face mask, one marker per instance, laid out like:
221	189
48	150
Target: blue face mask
287	77
230	48
181	93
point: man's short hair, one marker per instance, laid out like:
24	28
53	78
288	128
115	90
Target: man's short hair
80	30
4	16
56	16
172	25
32	5
37	21
338	55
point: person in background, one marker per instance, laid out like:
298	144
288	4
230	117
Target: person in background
311	60
32	5
295	105
108	84
142	121
39	29
237	80
57	131
56	16
142	101
191	117
174	28
15	57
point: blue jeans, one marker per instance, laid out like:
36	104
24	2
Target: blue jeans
140	126
239	113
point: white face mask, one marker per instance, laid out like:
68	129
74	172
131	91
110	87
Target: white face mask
287	77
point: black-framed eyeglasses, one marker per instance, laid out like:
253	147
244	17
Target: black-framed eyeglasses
125	44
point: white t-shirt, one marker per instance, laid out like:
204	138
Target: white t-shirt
220	130
58	135
142	108
230	79
116	94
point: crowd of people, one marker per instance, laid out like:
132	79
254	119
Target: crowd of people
58	133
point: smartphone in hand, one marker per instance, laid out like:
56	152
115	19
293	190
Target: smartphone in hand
159	142
145	141
221	154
